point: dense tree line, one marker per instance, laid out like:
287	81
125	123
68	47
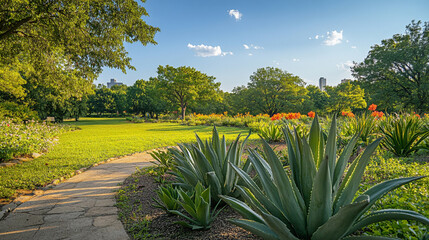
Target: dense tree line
394	76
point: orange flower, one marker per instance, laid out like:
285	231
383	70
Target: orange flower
350	114
343	113
311	114
372	107
380	114
417	115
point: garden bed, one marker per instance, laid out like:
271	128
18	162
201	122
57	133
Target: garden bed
143	221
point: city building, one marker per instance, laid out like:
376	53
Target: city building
345	80
113	82
322	83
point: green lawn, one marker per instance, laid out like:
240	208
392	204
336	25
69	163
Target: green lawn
98	140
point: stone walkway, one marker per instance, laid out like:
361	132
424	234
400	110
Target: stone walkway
83	207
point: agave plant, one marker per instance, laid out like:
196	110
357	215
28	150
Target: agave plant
208	163
403	134
317	199
198	207
271	132
168	198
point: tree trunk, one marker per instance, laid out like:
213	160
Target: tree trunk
183	112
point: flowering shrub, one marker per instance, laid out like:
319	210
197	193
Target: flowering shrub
288	116
348	114
377	114
18	139
372	107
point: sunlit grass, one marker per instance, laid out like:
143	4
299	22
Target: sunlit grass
98	140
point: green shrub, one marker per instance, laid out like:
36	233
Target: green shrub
17	112
18	139
198	206
271	132
208	163
316	200
168	198
403	134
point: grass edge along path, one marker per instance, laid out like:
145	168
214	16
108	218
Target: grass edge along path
99	140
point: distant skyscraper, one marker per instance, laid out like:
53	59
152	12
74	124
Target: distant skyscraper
113	83
322	83
345	80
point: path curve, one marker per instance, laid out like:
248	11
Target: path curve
82	207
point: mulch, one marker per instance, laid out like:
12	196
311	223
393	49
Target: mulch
162	225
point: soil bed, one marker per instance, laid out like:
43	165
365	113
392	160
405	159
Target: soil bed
143	221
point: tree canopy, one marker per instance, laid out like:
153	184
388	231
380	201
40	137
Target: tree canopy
185	86
274	90
345	97
396	72
60	47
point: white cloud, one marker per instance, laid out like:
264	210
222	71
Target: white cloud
296	60
235	13
347	41
345	65
276	63
251	46
309	38
250	54
208	51
316	37
353	47
333	38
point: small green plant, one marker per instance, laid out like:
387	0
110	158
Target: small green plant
168	198
316	200
208	163
403	134
163	163
271	132
198	206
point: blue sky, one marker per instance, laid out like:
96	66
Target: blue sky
309	39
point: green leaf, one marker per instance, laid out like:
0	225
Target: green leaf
315	137
379	190
277	226
339	224
242	209
342	162
331	147
320	208
352	185
290	199
256	228
386	215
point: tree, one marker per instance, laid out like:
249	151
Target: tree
345	97
185	86
64	44
396	72
318	99
274	90
240	101
120	97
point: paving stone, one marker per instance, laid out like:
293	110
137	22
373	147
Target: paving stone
20	234
82	207
101	211
114	232
60	230
105	202
20	220
62	217
65	209
104	221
